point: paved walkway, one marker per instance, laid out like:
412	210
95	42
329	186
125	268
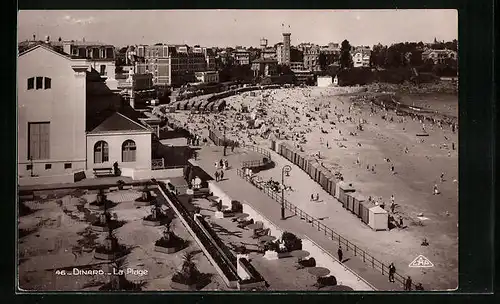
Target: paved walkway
82	183
235	187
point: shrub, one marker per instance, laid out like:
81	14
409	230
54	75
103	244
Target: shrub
173	241
327	281
292	242
189	274
236	206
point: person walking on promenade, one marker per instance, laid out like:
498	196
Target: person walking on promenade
226	162
221	163
312	197
419	287
408	283
216	164
216	176
441	178
221	175
401	222
232	148
340	254
317	196
392	271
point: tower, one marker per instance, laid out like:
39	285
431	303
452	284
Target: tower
286	46
263	46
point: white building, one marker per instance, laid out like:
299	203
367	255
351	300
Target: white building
207	77
51	113
361	57
324	81
53	143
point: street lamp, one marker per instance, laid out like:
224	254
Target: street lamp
285	170
224	143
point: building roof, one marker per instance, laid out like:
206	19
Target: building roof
87	43
118	122
28	46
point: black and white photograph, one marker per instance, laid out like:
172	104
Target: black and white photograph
237	150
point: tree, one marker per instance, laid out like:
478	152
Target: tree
345	55
416	58
322	61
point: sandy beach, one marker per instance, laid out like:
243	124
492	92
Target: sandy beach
386	158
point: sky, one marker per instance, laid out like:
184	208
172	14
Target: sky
240	27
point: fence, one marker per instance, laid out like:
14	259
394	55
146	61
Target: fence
215	136
258	182
159	164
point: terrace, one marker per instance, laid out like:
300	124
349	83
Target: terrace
55	234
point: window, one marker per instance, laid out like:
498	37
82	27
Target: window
31	83
39	140
67	166
128	151
48	83
103	69
39	83
101	154
48	166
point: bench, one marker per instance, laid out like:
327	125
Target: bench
99	172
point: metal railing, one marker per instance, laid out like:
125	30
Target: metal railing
258	150
157	164
258	182
218	140
253	163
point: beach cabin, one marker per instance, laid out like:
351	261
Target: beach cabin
341	190
357	199
364	211
378	219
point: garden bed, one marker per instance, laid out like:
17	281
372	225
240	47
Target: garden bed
102	254
144	203
101	206
113	224
152	223
155	221
173	245
183	287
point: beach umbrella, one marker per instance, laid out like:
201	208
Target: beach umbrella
255	226
337	288
267	238
319	271
300	253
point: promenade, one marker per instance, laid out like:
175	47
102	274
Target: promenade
239	189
